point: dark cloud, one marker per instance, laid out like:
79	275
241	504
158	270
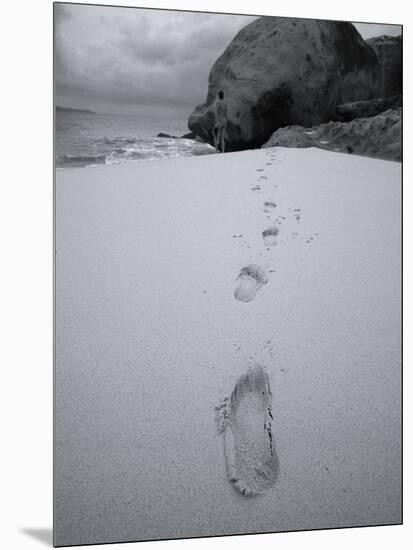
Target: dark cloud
118	58
121	59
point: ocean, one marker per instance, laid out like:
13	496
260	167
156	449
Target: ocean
84	139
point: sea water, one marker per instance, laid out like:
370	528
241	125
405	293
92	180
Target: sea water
83	139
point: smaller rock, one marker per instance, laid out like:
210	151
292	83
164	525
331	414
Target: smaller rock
378	136
189	135
164	135
363	109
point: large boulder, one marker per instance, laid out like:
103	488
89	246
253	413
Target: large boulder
378	136
279	71
389	52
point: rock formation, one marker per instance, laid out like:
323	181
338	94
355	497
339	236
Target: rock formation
389	53
363	109
165	135
279	71
378	136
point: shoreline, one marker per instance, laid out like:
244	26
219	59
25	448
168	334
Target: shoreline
268	148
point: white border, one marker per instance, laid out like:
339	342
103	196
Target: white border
26	236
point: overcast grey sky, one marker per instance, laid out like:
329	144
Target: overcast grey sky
119	60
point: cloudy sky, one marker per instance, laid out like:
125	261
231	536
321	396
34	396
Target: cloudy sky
121	60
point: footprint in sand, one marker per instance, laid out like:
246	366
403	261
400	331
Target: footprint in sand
269	206
256	188
250	280
245	420
270	236
260	169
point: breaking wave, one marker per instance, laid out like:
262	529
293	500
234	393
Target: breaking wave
118	150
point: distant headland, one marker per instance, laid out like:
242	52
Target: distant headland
70	110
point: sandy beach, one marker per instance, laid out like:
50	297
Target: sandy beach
150	339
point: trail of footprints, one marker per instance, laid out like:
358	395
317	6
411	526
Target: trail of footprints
252	277
245	418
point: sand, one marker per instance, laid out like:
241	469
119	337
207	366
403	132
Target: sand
150	339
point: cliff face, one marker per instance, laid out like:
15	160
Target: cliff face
278	72
389	52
